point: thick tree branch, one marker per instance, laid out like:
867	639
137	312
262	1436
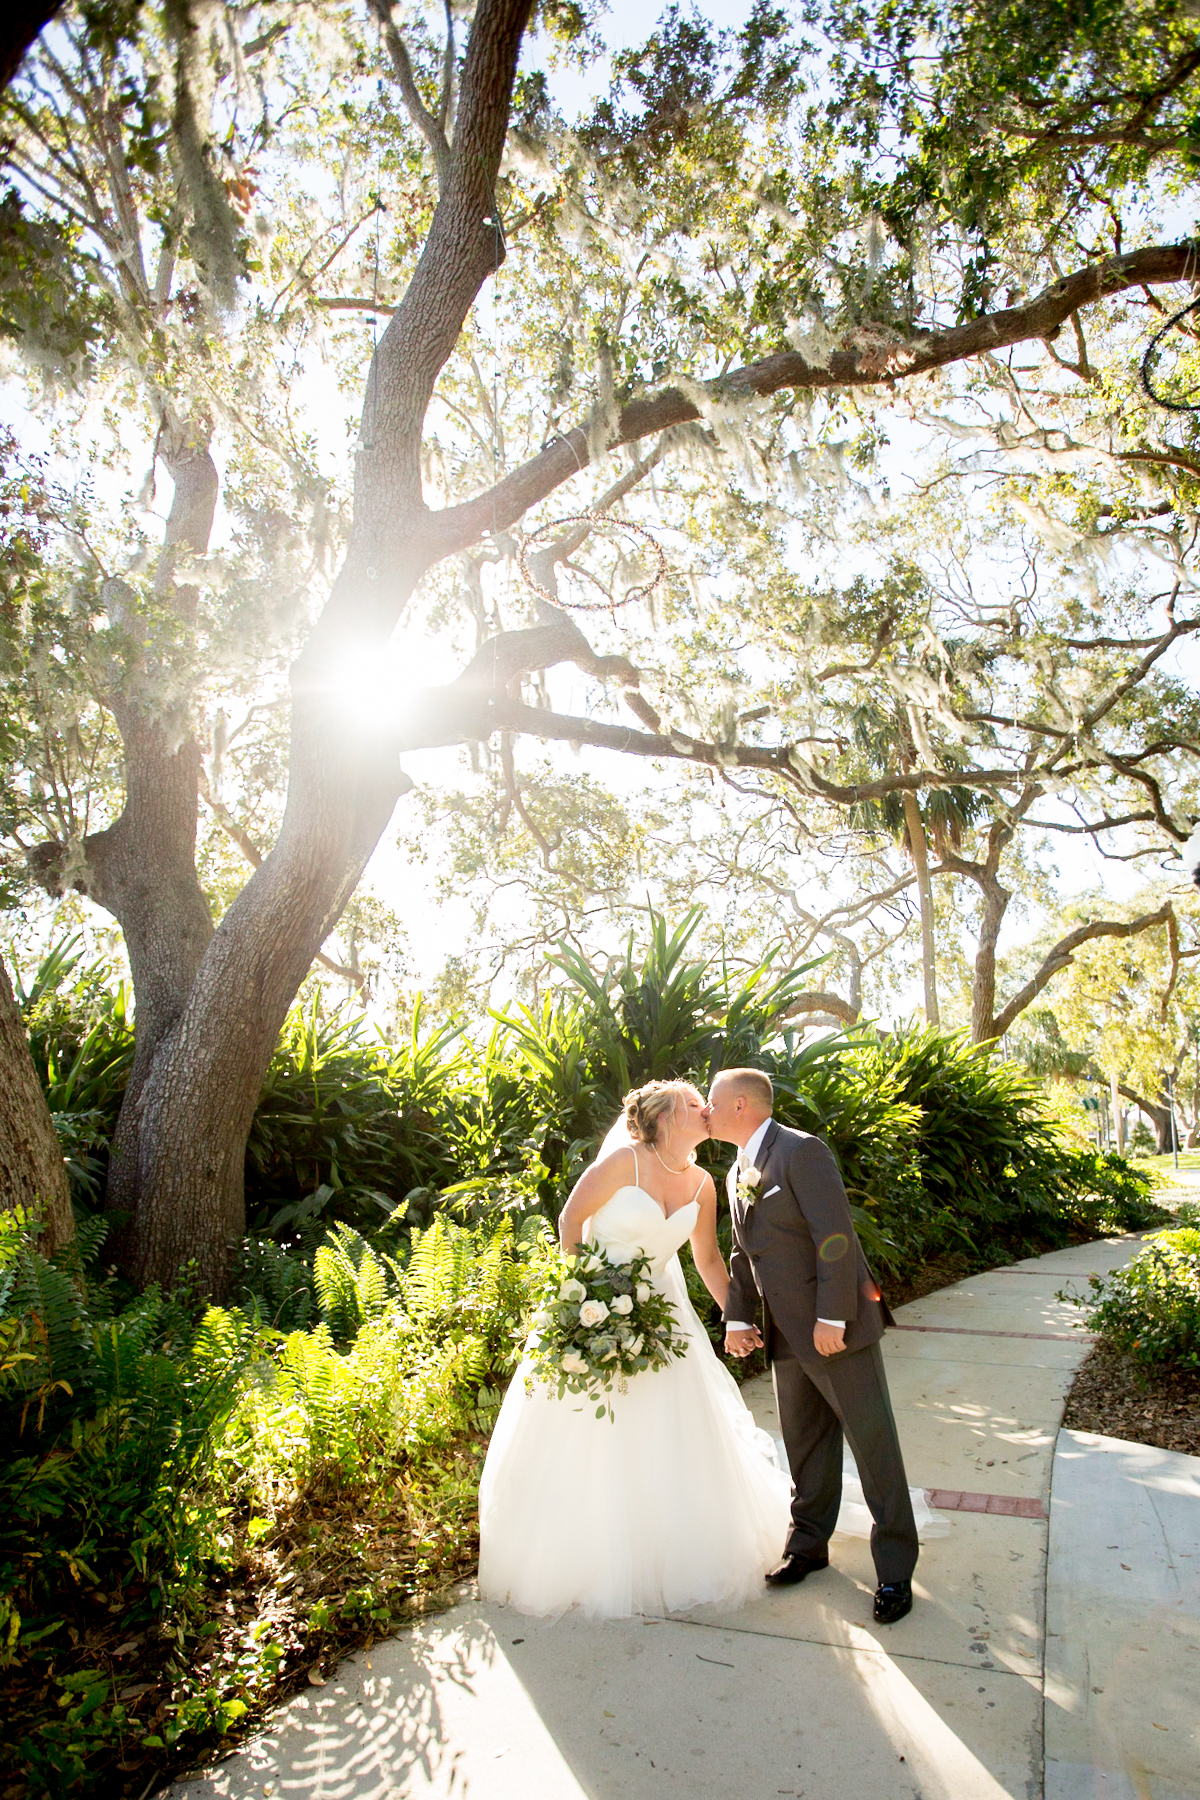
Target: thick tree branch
878	357
254	856
816	1000
464	246
499	664
1171	459
474	708
1062	954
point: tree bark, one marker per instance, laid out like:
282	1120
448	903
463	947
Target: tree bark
983	995
995	904
919	850
32	1173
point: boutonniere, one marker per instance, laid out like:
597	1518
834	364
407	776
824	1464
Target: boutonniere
748	1182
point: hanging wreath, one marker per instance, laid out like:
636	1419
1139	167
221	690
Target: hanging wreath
595	522
1150	359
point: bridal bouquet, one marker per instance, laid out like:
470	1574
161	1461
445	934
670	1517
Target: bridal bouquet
596	1323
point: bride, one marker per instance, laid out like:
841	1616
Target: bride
676	1501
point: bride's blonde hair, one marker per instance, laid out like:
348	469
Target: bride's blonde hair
647	1107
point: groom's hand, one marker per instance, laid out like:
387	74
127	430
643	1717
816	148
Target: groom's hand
742	1343
828	1339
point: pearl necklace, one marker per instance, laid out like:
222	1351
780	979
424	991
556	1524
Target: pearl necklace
666	1165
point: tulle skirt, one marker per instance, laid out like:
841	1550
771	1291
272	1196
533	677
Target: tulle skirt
675	1502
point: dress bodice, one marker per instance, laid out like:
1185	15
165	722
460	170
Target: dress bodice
632	1224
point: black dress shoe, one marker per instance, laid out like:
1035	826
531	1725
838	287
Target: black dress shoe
892	1600
794	1568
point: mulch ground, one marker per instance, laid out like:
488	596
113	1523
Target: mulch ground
1111	1396
927	1278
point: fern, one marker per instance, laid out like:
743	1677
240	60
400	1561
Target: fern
57	1320
275	1286
353	1284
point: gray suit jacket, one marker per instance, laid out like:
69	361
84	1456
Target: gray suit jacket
795	1247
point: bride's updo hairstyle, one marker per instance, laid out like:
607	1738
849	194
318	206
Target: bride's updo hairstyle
647	1108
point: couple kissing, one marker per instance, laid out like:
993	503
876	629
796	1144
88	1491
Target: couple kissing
672	1498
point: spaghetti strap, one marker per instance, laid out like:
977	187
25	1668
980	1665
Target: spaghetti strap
698	1191
636	1178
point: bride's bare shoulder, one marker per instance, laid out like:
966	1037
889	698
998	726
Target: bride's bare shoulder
618	1166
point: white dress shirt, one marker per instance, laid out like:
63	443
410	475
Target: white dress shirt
747	1158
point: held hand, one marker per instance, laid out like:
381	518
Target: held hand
828	1339
742	1343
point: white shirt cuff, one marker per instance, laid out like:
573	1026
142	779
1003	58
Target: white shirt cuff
740	1324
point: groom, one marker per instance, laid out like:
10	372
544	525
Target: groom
794	1245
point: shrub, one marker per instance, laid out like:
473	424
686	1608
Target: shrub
1151	1307
346	1128
1103	1193
154	1453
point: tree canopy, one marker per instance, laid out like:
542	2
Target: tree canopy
848	308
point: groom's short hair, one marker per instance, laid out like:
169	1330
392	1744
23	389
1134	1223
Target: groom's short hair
752	1084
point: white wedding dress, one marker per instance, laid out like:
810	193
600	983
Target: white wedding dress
676	1502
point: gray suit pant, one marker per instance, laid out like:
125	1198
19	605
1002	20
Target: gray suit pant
818	1402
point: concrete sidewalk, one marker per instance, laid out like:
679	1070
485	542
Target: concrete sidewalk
1123	1622
798	1694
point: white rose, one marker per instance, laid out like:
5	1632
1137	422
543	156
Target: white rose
622	1304
635	1345
574	1365
643	1292
593	1312
572	1290
589	1263
542	1316
751	1177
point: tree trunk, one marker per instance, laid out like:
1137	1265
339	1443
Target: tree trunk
199	1096
199	1099
32	1173
983	993
1118	1113
919	851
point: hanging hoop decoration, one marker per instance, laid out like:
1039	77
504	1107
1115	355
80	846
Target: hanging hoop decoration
596	522
1150	359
